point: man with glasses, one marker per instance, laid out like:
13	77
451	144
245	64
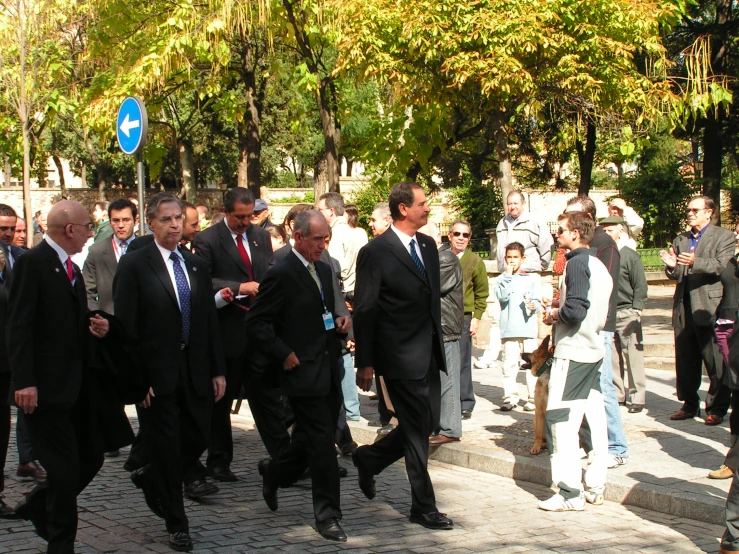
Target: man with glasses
475	283
696	260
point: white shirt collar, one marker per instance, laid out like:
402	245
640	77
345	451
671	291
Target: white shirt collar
405	239
58	249
301	258
234	234
119	241
166	253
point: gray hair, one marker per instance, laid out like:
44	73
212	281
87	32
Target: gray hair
157	200
520	194
334	201
460	222
383	208
303	221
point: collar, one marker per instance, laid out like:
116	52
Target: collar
301	258
234	234
119	242
166	252
700	233
576	252
58	249
405	239
523	217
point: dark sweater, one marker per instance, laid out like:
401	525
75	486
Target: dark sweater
730	300
604	248
632	285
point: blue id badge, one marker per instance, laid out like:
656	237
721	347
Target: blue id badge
328	321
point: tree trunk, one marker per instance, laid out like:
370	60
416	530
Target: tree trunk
586	157
712	161
187	170
60	170
331	131
27	205
505	172
83	175
8	172
242	179
349	167
320	180
99	167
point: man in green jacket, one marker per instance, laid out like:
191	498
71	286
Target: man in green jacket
102	221
475	282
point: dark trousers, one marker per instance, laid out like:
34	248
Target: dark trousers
23	438
313	442
58	442
221	446
268	412
175	431
696	345
410	439
467	395
4	424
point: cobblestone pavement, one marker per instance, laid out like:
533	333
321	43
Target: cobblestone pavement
491	513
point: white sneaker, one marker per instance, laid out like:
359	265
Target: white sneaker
559	503
615	461
594	496
483	362
508	404
529	406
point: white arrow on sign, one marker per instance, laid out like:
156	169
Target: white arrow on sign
127	125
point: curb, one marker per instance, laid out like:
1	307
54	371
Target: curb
624	490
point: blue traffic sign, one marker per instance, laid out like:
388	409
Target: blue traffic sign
132	125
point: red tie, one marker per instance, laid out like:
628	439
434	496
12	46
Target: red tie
244	256
70	271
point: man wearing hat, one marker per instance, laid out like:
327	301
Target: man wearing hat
628	356
261	214
633	223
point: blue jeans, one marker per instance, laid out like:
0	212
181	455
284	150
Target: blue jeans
349	389
616	437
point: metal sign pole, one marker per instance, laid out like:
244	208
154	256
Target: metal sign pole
142	199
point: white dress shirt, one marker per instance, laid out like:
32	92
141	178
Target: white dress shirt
62	255
117	246
169	264
244	239
406	240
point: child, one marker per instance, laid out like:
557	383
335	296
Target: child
519	299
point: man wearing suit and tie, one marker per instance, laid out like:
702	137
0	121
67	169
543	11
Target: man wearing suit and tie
8	222
163	296
48	336
238	255
293	321
397	326
103	256
696	260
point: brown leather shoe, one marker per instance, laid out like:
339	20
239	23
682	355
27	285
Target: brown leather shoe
713	419
682	414
724	472
438	440
31	470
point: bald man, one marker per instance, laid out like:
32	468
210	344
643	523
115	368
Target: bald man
49	331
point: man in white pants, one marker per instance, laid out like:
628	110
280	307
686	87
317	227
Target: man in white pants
574	383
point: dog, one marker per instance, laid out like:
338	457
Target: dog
541	361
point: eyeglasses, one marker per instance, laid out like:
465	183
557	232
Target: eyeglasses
694	210
562	230
461	234
90	226
168	219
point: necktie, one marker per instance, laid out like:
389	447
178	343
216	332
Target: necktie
124	245
417	260
244	256
70	270
183	290
312	271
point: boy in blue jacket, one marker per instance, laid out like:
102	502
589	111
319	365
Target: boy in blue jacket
520	300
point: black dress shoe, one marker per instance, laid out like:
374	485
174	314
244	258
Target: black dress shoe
331	530
180	541
636	408
199	488
347	449
222	474
385	429
466	414
139	479
269	485
433	520
374	423
366	482
113	453
343	472
6	512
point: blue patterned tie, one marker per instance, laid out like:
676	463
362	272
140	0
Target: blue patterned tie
124	246
183	290
417	260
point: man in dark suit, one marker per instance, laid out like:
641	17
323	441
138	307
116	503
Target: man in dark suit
8	222
48	335
238	255
696	260
293	321
4	374
397	325
163	296
103	256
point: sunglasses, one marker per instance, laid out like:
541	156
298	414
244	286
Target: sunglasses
694	210
460	233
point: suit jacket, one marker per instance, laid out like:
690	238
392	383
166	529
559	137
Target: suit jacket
287	317
703	280
99	270
397	312
146	304
140	242
5	279
216	246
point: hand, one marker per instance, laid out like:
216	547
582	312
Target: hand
250	288
2	260
27	399
350	345
219	387
509	269
146	402
530	306
687	259
546	301
291	362
474	324
227	294
668	258
99	326
343	324
364	378
550	316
